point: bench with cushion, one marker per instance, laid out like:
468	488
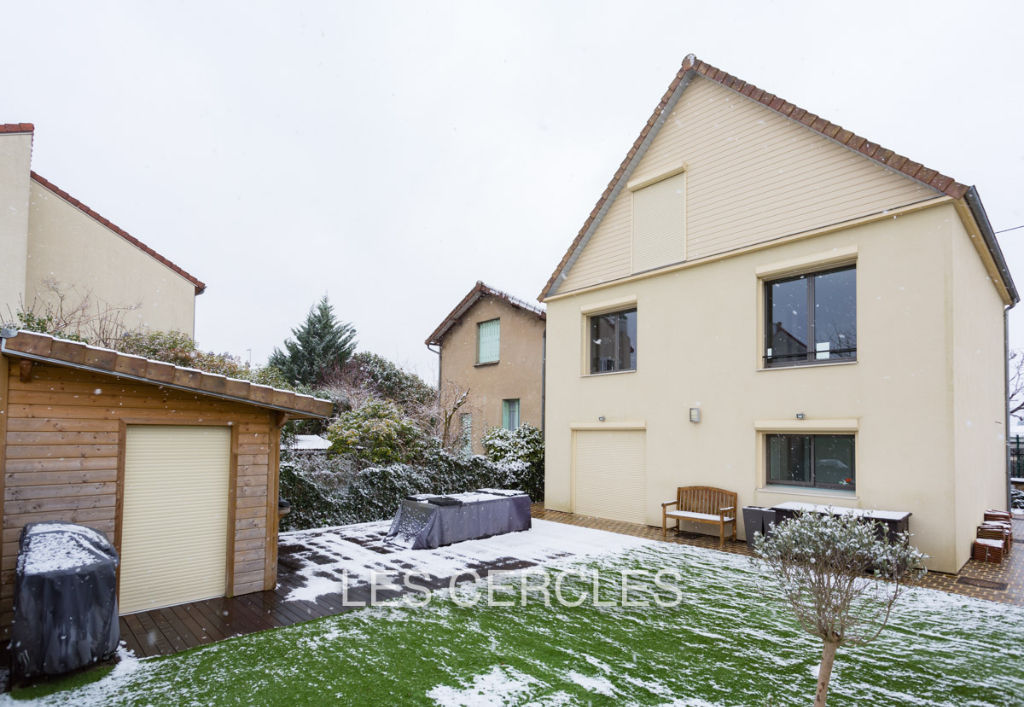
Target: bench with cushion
701	504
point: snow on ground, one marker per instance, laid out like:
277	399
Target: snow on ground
333	559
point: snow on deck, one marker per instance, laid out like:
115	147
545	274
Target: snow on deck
331	560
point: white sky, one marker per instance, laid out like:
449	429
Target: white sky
391	154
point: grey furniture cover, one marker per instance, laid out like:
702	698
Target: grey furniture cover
65	601
425	521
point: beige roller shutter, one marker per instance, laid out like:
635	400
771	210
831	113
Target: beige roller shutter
175	515
610	475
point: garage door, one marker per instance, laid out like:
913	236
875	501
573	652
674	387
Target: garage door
610	474
175	515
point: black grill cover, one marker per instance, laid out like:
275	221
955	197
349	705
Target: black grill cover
65	600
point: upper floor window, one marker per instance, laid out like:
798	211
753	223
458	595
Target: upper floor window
510	414
613	341
811	318
825	461
488	341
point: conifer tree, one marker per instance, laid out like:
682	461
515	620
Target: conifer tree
321	346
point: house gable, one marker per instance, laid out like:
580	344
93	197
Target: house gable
752	175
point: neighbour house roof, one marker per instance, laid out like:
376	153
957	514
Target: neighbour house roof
17	128
308	443
479	291
73	354
199	285
692	67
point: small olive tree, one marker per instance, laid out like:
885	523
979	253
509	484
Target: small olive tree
841	576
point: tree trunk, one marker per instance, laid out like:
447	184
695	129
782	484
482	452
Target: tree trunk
828	656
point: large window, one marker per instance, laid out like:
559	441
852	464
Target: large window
613	342
488	341
825	461
811	318
510	414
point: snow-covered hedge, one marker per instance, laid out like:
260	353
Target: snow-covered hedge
523	446
326	491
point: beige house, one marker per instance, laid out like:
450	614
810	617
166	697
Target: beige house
53	243
491	345
765	302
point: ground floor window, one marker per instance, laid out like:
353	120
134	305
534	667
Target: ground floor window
467	432
825	461
510	414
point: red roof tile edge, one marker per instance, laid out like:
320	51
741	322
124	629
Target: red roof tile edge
17	128
480	290
871	150
51	349
199	285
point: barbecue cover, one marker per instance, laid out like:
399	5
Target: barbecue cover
65	601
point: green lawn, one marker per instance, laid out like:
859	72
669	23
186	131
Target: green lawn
729	642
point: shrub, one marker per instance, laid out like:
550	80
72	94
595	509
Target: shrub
312	488
377	433
523	448
383	379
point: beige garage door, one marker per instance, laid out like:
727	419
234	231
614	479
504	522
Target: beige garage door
175	517
609	475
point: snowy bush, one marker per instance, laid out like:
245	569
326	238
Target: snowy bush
377	433
313	493
522	451
1016	498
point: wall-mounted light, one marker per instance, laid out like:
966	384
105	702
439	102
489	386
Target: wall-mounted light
694	414
799	416
601	419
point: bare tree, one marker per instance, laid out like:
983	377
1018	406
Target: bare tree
451	399
66	312
824	564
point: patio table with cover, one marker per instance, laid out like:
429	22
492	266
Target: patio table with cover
426	521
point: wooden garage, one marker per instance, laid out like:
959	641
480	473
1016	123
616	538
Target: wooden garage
178	467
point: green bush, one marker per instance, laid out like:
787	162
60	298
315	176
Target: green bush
383	379
312	488
523	448
377	433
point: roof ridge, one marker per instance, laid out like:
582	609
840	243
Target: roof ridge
199	285
479	290
692	66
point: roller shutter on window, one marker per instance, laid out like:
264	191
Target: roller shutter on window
610	475
175	515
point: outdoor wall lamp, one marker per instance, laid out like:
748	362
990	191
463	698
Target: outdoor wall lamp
694	414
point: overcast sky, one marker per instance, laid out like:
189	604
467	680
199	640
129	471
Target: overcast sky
391	154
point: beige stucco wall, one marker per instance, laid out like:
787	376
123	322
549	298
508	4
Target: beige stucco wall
700	345
751	175
516	375
979	408
85	258
15	158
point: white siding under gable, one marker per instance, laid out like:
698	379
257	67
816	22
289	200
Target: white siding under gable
752	176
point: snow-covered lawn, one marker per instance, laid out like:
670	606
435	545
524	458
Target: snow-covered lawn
728	641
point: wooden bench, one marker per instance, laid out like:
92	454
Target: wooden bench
702	504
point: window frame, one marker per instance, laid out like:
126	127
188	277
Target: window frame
497	356
588	332
811	357
769	482
506	413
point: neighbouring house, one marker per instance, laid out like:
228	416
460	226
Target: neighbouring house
54	244
765	302
179	468
491	345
